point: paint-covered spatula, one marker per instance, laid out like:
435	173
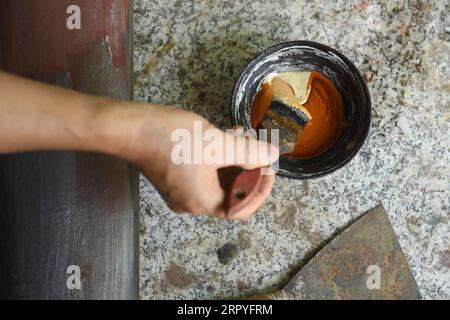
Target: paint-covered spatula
365	261
289	118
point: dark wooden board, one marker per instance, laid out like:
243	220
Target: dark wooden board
68	208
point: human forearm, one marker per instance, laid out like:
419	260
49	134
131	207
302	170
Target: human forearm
36	116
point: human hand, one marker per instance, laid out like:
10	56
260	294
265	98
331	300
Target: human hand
192	188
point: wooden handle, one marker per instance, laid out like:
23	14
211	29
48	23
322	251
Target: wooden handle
240	185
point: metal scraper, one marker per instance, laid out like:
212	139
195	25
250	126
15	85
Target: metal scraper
289	119
349	265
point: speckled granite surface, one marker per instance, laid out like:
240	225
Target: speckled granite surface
189	53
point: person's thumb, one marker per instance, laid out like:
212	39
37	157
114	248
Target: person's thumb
249	153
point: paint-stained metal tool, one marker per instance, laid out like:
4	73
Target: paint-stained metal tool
288	119
365	261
